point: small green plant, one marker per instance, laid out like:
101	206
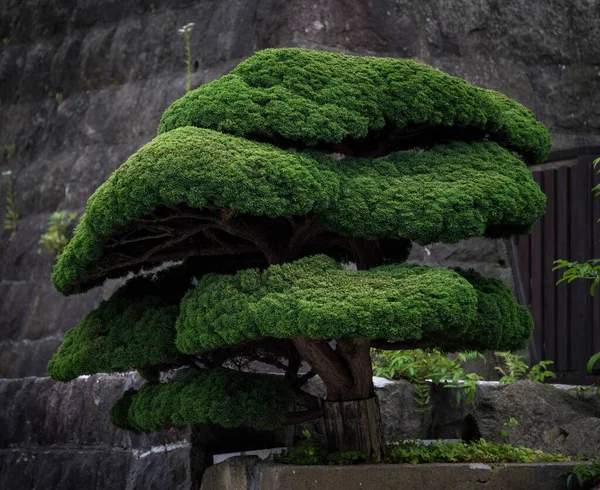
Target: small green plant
516	368
59	98
186	33
595	359
11	217
588	270
5	41
10	149
586	476
508	426
55	239
426	367
416	452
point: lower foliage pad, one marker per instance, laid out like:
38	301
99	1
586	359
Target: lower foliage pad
315	297
227	398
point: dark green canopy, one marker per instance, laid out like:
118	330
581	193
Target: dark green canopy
318	98
228	398
448	193
314	297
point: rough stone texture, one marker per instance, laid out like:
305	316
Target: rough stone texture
97	468
116	65
233	473
59	435
447	417
43	412
550	419
269	476
398	411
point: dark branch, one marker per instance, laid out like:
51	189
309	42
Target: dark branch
294	418
327	363
299	382
406	345
306	400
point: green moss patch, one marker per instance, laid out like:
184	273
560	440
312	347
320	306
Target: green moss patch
415	452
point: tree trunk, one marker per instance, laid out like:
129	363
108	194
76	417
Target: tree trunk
355	426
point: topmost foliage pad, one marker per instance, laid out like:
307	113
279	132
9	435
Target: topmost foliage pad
318	98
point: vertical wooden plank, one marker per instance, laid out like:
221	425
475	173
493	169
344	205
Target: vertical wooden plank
524	258
537	279
579	241
595	254
549	286
563	251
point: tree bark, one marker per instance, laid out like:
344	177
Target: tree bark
355	426
351	411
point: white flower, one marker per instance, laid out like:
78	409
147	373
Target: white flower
186	29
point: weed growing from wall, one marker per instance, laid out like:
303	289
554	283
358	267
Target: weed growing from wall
11	217
10	149
186	33
56	237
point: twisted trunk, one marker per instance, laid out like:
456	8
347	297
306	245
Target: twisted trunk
351	411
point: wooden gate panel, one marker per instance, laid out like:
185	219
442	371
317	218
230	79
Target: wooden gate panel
567	318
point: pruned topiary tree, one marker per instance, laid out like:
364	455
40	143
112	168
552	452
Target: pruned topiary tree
260	188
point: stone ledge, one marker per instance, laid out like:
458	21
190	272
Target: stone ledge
245	474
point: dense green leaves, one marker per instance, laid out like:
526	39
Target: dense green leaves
314	297
318	97
123	333
501	322
448	193
226	398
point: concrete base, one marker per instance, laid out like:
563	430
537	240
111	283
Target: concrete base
248	473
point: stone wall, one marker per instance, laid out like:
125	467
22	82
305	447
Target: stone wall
58	435
83	83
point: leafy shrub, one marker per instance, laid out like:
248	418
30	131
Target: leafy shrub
508	426
516	369
11	217
586	476
422	367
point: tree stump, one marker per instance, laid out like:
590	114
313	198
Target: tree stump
355	426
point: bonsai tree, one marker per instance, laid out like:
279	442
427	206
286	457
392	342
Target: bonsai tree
270	220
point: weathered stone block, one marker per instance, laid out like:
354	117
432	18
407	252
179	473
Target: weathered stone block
271	476
549	419
44	412
233	473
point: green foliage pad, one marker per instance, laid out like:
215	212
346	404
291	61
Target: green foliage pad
317	97
134	329
228	398
449	193
314	297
